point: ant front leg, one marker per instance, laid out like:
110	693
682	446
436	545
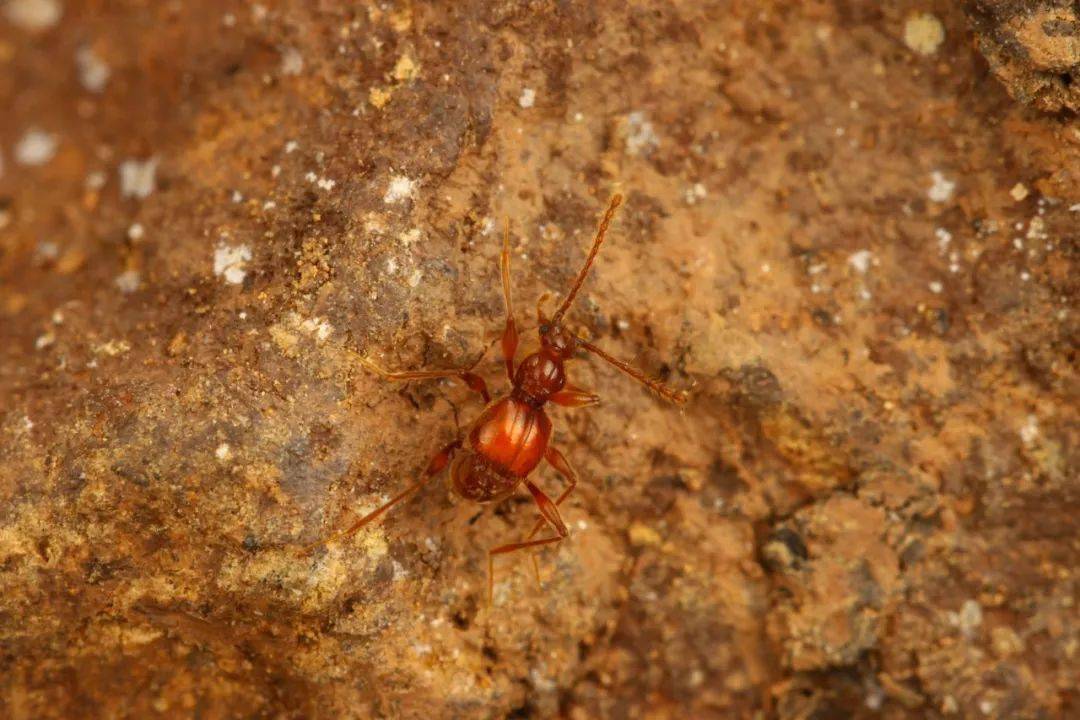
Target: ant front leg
550	513
510	333
471	379
572	396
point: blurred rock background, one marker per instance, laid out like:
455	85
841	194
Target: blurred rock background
851	226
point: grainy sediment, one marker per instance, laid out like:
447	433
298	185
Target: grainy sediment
840	230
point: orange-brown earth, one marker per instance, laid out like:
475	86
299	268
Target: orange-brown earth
840	230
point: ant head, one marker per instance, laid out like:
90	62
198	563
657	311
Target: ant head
558	339
553	336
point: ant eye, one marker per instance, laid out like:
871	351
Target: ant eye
545	329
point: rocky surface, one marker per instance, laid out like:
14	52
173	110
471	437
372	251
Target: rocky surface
1033	48
840	230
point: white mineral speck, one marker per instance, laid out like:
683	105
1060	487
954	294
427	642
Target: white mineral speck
944	237
35	147
409	237
875	696
936	287
292	62
860	260
93	72
96	180
923	33
48	250
136	232
230	262
695	193
1029	430
138	177
1037	229
528	98
941	188
1019	191
127	281
317	327
33	15
223	452
400	188
970	617
640	135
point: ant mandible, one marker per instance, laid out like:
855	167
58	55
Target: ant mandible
512	435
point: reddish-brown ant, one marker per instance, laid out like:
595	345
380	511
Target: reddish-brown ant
512	434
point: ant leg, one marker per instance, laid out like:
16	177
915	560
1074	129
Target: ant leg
435	466
562	466
510	333
512	547
573	396
550	513
471	379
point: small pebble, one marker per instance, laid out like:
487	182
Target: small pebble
1019	192
33	15
35	147
924	33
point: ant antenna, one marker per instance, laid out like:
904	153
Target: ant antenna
676	396
615	201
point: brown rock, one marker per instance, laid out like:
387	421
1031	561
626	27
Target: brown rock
818	237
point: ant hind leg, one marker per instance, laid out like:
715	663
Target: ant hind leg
550	513
435	466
